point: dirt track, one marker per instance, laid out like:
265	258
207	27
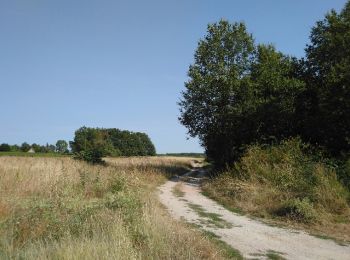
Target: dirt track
252	238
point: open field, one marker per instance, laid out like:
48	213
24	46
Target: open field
60	208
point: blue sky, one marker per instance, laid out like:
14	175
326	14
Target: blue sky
65	64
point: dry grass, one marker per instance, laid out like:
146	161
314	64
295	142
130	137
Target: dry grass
285	184
59	208
262	201
178	190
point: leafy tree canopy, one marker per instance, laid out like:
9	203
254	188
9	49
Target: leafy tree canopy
5	148
237	92
94	143
325	106
61	146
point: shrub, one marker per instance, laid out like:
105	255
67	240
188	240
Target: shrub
93	156
290	169
286	180
298	209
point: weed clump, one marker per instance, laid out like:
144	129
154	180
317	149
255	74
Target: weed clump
298	209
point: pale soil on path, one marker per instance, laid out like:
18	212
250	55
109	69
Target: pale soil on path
254	239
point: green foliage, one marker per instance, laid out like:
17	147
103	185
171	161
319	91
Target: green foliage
297	209
93	155
91	144
127	143
324	107
25	147
12	149
217	87
61	146
5	148
37	148
15	148
343	172
238	93
275	93
290	169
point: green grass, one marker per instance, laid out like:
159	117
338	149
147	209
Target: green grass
271	254
227	251
274	255
322	236
211	219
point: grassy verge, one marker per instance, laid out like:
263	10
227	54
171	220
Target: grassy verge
284	184
226	250
59	208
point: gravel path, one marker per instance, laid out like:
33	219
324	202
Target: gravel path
254	239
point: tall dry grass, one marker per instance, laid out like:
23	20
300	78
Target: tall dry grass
59	208
285	183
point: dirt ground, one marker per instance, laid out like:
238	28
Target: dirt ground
254	239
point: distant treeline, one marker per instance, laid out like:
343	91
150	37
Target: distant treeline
60	147
91	144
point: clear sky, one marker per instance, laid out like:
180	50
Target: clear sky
65	64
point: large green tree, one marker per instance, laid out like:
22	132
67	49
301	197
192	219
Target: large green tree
222	60
218	86
325	106
61	146
237	93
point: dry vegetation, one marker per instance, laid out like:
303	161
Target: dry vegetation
59	208
284	184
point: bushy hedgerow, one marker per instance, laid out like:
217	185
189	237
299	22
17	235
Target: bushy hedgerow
91	144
